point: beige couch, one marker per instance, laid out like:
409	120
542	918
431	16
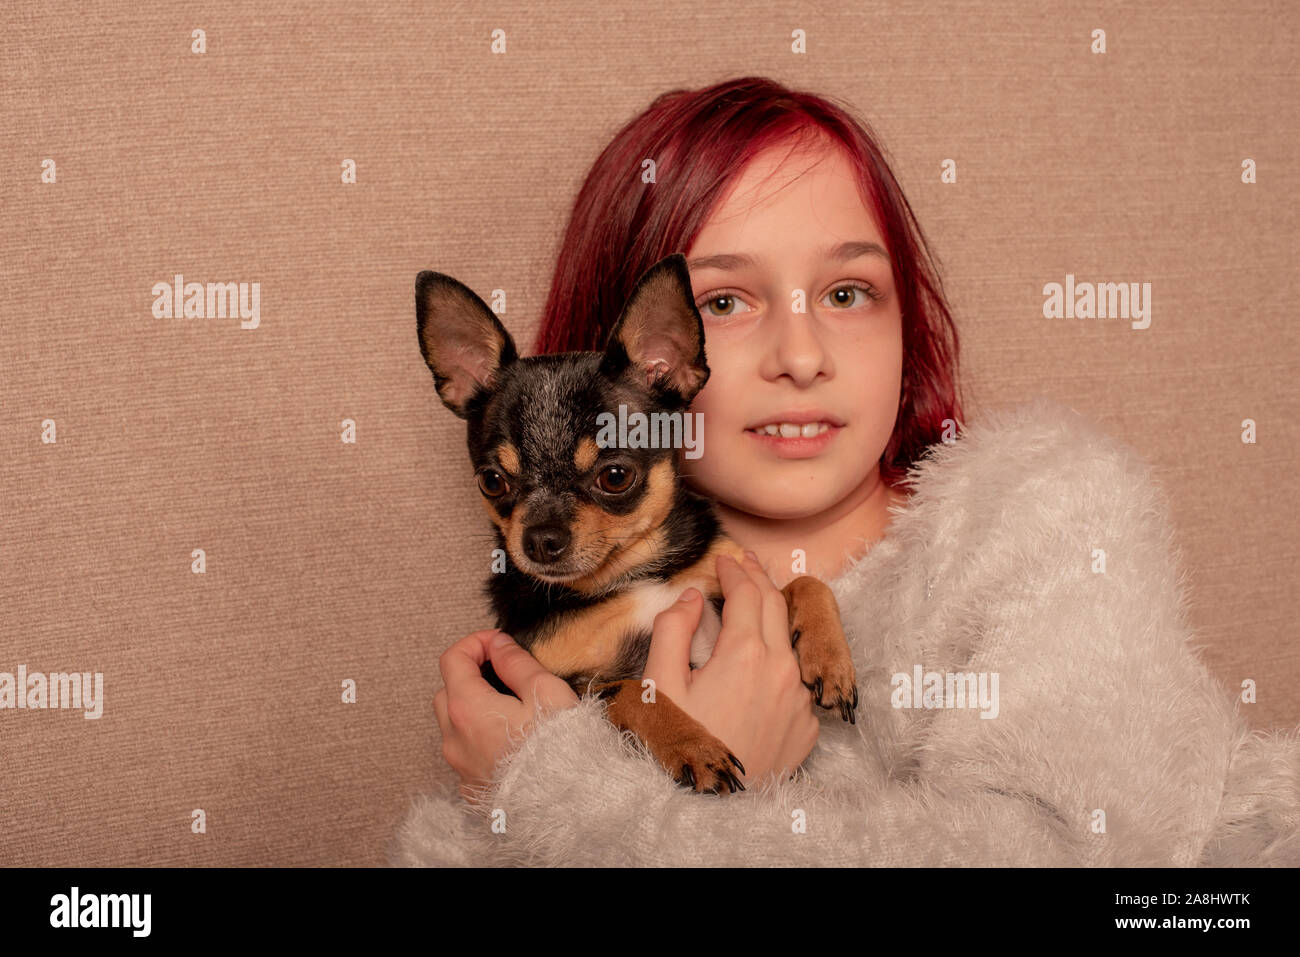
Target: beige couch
327	562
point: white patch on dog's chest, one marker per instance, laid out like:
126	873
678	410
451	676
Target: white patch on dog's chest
653	597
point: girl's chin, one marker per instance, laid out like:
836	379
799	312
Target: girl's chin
780	505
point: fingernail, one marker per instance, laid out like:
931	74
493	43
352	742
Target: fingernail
500	639
689	595
751	556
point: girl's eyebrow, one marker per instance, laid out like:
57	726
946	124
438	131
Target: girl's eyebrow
841	253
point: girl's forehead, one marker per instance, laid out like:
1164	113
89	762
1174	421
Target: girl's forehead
784	196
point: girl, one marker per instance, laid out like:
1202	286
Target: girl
957	562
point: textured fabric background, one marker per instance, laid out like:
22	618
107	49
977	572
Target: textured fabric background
328	561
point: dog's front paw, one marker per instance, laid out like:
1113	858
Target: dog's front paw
825	662
686	749
703	763
826	668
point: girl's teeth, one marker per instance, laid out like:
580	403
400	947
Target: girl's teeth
788	430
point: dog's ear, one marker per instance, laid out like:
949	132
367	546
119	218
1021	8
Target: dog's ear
658	340
462	341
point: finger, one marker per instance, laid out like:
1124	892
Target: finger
462	673
775	610
742	605
751	566
440	712
524	675
462	662
670	641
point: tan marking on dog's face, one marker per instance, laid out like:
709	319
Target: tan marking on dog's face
497	520
512	528
596	529
585	455
508	456
514	532
637	537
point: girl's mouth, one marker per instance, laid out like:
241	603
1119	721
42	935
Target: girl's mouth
791	441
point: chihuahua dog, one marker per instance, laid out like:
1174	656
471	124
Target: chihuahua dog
599	538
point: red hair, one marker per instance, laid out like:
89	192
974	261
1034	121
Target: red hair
700	141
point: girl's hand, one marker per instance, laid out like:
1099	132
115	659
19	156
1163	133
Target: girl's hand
477	722
749	694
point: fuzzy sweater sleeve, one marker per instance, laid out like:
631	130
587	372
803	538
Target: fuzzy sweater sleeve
1035	549
575	795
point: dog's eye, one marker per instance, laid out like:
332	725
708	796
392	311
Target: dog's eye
615	479
491	483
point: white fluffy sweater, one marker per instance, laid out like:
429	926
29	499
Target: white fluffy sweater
1112	745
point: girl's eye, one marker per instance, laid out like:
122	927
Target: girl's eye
843	297
726	303
491	483
615	479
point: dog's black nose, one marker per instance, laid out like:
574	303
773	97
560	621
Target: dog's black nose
546	543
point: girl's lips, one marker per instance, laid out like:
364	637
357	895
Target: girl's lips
796	447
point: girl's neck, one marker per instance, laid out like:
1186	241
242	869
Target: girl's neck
828	540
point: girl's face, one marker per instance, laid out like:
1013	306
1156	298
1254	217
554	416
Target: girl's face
800	314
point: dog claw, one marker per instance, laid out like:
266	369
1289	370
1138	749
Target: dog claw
716	789
702	763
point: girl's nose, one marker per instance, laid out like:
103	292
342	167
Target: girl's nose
797	348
